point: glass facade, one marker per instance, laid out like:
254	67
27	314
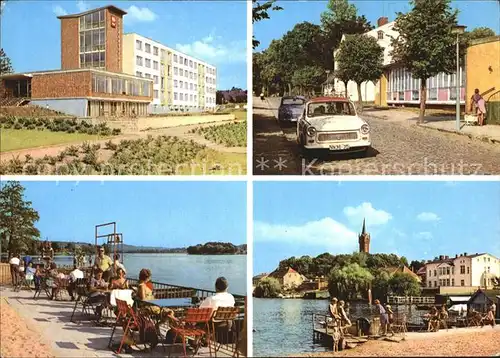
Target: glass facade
122	86
93	40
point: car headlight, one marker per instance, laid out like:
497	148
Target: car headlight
365	129
311	131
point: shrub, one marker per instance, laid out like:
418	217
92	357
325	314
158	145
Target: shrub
72	151
18	126
116	131
109	145
267	287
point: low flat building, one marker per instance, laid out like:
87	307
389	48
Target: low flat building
81	92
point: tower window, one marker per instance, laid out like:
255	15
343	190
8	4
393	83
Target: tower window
380	35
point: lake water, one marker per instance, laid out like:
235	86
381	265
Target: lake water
283	327
197	271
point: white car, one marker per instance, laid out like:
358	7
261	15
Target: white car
332	123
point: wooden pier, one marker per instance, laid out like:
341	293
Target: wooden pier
411	300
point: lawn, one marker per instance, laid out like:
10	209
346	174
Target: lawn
211	162
15	139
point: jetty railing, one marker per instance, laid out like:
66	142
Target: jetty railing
411	300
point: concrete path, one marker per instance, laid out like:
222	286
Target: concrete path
487	133
178	131
67	339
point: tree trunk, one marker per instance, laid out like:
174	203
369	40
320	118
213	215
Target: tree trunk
423	99
289	88
345	85
360	98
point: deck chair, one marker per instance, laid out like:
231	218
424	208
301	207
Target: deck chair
224	329
61	285
82	297
190	328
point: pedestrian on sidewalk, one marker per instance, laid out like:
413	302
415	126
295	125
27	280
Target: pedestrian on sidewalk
478	106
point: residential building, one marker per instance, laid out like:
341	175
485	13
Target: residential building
478	270
288	278
397	86
180	81
90	82
482	72
318	284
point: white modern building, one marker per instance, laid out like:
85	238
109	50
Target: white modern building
397	86
478	270
180	82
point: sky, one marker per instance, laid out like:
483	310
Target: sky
166	214
472	13
213	31
418	220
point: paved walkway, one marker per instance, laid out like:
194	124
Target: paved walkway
67	339
487	133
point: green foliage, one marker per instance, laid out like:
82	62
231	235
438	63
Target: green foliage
404	284
267	287
230	134
349	282
57	125
380	284
17	219
5	63
260	11
307	78
215	248
426	43
360	59
478	33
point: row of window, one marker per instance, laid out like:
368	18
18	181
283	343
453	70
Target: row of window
93	60
147	47
191	97
93	40
146	62
114	85
94	20
185	85
148	76
447	270
401	80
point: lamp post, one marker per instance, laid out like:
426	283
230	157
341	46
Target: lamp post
458	29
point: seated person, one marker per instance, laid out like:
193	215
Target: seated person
118	264
98	297
119	283
145	293
222	298
73	276
30	271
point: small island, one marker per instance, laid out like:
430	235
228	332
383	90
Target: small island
217	248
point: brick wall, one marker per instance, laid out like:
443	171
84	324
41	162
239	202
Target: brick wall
61	85
114	40
70	51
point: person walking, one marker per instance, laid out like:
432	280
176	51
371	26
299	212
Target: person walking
384	317
478	106
14	269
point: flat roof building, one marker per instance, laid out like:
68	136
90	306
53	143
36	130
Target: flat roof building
180	81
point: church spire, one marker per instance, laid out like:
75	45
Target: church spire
364	239
363	231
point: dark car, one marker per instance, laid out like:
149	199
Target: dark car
291	108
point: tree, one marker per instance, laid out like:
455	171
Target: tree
56	246
404	284
260	11
5	64
361	59
478	33
17	219
344	77
417	265
339	19
268	287
307	78
425	45
349	282
380	284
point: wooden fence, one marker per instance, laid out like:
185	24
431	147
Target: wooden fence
5	278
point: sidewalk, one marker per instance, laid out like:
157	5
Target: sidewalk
487	133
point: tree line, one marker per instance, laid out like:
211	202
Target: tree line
298	62
217	248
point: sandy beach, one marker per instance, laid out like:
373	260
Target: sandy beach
17	339
467	342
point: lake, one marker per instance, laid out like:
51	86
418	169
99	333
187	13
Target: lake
197	271
283	327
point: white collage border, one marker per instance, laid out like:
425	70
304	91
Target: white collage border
249	179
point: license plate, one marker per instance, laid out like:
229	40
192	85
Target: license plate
339	146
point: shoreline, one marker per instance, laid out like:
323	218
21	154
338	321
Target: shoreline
463	342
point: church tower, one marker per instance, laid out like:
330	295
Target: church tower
364	240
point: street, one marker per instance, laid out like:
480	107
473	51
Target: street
397	149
